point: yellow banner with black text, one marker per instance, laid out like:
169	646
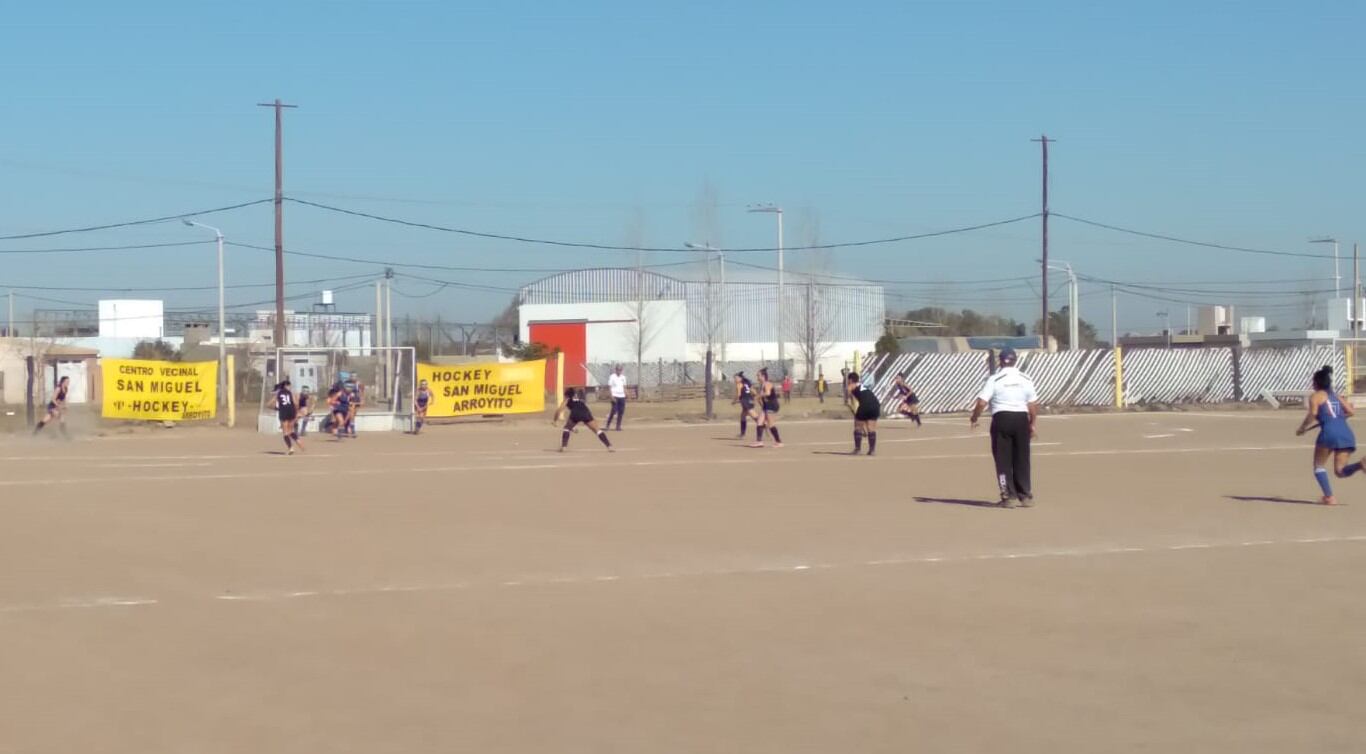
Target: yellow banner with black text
159	390
484	389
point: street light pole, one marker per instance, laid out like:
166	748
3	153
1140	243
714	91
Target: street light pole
222	332
1073	303
774	209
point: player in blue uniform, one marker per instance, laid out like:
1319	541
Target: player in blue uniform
56	409
421	398
577	412
910	402
744	395
1335	438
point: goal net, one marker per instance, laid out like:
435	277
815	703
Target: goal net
383	376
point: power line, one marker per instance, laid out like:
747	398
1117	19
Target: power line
610	247
129	247
173	289
130	223
1190	242
420	266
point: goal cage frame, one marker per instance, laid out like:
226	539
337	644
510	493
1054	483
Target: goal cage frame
387	374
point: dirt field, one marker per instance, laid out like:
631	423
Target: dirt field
472	590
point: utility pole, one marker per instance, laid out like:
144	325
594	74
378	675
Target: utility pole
1044	141
9	323
388	330
279	220
1356	290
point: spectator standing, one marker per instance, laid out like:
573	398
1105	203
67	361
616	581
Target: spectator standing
616	385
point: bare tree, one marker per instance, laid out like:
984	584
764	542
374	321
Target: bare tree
815	325
644	330
710	314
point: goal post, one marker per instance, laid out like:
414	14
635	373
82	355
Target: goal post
384	375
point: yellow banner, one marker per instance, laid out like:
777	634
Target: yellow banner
483	389
159	390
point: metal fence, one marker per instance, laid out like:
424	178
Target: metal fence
950	382
661	373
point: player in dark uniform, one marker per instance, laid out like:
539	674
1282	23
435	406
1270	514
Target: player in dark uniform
866	409
287	410
770	404
744	395
421	398
305	411
910	402
576	411
56	408
340	401
355	393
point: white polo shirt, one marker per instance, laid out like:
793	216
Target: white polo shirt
1009	390
616	383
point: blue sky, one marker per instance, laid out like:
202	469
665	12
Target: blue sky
1237	122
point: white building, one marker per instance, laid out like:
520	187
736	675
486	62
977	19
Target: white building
600	316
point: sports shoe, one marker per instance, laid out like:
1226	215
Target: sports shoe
1027	501
1007	500
1329	500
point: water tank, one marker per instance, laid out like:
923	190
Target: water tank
327	298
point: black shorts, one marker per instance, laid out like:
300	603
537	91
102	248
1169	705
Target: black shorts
868	415
286	414
51	407
771	408
747	404
580	417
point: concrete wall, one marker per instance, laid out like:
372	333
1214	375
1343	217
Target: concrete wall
611	328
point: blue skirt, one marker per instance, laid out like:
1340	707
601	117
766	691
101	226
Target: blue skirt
1337	437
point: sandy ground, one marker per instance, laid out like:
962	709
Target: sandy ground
472	590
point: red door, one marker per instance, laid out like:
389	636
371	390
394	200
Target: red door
571	339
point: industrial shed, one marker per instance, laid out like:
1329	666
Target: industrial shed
603	315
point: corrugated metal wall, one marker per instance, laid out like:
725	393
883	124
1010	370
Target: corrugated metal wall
949	382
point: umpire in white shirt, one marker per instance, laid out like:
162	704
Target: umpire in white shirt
1014	404
616	384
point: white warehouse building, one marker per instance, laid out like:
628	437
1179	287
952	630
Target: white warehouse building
602	316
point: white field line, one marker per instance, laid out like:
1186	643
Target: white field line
555	580
765	456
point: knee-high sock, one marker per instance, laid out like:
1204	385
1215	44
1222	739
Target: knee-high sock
872	442
758	433
602	435
288	442
1321	474
294	436
744	424
564	438
916	418
774	431
858	441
